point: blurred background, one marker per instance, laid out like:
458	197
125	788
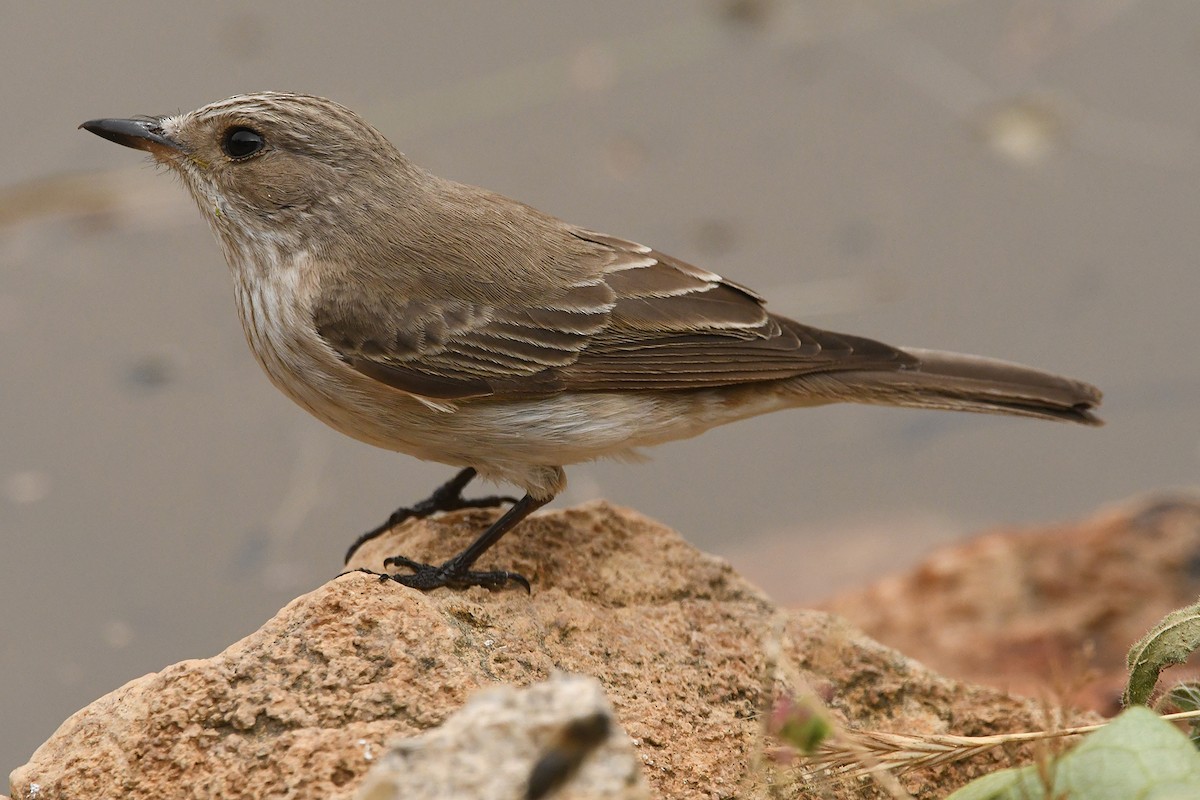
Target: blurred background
1015	178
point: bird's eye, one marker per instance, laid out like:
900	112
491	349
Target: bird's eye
242	143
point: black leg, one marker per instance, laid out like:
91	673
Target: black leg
447	497
456	573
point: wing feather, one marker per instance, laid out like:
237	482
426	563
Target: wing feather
637	320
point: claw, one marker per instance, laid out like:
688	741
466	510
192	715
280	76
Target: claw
428	576
456	573
383	576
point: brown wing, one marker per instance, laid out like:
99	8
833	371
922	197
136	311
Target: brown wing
642	321
454	349
675	326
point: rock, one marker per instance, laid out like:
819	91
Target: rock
691	656
1048	611
489	749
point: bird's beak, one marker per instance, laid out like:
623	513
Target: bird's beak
142	134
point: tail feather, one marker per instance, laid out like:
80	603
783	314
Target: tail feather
958	382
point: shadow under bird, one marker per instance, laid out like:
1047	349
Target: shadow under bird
456	325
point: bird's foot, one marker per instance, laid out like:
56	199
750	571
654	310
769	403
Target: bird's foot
447	497
450	575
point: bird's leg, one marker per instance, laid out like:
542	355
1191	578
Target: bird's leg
456	573
447	497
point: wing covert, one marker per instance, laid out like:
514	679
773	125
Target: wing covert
638	320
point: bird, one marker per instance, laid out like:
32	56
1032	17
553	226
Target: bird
453	324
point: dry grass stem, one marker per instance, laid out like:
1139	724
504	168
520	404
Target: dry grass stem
859	754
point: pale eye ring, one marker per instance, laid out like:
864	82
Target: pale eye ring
241	142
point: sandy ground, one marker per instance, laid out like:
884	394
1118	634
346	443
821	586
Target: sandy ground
1017	179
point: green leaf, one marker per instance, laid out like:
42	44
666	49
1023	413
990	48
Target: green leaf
1137	756
1183	697
1000	785
1169	642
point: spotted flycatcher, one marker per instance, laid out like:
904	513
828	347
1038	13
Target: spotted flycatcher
456	325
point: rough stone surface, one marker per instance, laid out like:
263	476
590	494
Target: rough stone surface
1049	611
690	655
489	749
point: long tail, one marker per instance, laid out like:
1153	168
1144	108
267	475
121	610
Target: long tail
958	382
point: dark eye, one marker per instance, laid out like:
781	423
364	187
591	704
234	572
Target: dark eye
242	143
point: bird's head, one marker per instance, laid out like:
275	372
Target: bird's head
271	166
